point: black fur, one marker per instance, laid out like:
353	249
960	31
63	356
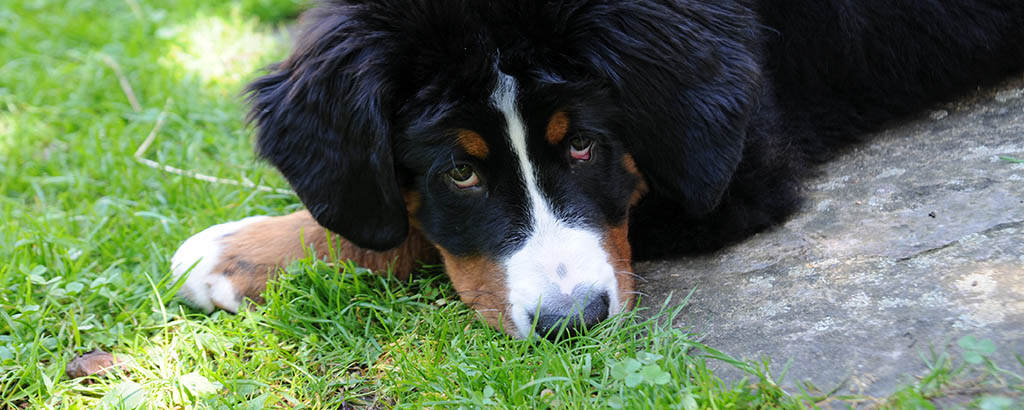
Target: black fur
324	119
723	104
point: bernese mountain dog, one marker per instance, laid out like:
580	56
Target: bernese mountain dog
537	147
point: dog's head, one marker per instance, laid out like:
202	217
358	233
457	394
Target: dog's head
515	136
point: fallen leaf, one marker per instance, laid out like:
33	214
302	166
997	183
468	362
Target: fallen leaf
96	362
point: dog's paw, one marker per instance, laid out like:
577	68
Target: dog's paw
209	284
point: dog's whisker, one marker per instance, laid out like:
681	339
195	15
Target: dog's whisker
632	275
636	292
476	292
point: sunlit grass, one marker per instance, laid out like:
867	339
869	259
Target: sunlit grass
6	133
86	234
219	50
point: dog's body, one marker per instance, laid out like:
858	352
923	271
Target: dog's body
538	147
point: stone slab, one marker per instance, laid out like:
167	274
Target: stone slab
906	243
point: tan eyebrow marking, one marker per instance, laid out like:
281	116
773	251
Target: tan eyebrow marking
558	126
473	143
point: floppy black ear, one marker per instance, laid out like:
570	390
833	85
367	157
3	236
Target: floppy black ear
323	119
687	80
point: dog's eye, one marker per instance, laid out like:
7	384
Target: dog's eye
579	148
463	176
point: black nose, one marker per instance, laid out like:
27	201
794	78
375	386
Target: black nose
564	315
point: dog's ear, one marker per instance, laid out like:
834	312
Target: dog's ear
687	80
323	119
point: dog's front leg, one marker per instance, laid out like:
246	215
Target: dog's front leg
231	262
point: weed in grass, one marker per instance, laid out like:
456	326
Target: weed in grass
395	342
975	382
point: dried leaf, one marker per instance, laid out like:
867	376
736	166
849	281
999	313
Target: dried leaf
96	362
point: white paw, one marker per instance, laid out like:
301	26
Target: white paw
199	257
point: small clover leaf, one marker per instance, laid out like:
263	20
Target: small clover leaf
690	402
634	379
623	369
199	385
653	374
976	350
633	372
649	357
125	395
995	403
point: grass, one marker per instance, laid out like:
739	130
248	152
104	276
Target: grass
87	233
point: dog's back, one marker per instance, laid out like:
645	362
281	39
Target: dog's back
833	71
843	68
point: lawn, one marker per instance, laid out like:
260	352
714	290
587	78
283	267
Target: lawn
88	230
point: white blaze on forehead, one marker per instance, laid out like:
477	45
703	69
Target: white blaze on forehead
504	99
556	257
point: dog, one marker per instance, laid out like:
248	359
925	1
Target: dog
536	148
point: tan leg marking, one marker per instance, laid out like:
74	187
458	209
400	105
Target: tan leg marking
244	259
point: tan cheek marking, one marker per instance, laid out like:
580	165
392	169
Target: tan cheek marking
473	143
254	253
641	185
616	243
481	285
413	202
558	126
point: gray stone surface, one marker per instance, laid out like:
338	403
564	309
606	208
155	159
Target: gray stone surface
905	243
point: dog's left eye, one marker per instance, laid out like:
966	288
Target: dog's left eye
579	148
463	176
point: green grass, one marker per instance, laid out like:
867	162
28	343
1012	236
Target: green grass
87	233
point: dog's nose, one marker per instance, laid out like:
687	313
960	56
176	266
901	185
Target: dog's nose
567	315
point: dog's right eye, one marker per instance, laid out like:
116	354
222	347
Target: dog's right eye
463	176
579	148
